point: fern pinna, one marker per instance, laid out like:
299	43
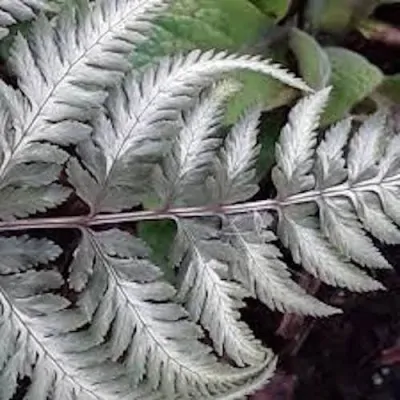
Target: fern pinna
80	125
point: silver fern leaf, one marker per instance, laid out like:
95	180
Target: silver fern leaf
40	330
342	189
236	172
221	266
141	112
193	149
62	72
107	325
30	319
259	266
212	298
106	175
152	334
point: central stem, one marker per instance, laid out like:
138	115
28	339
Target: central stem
343	189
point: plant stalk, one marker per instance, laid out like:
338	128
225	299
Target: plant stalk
342	190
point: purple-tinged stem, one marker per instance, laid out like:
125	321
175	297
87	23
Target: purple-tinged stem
344	189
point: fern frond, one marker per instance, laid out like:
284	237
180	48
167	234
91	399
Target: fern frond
36	327
109	326
375	220
25	299
339	223
187	164
141	108
236	174
30	185
255	261
259	267
158	344
366	148
337	219
63	71
349	195
294	152
211	298
330	162
297	229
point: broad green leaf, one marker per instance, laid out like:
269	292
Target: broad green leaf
234	25
353	79
313	62
226	24
275	9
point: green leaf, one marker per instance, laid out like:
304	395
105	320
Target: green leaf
275	9
313	62
232	25
226	24
353	79
352	76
